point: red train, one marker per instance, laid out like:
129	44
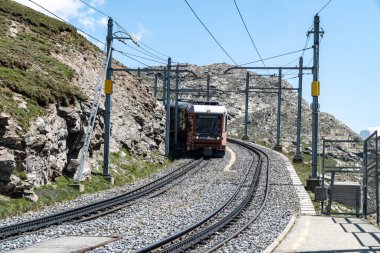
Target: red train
202	127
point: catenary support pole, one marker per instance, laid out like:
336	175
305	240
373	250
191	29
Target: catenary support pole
176	106
245	136
297	157
167	132
208	87
278	146
155	85
164	86
313	181
108	91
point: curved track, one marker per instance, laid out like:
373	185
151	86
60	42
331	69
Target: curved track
220	218
76	213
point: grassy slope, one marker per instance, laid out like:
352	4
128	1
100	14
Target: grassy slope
26	64
27	68
126	169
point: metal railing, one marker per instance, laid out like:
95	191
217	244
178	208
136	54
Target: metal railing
342	177
350	177
371	176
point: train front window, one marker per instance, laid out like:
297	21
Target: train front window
208	125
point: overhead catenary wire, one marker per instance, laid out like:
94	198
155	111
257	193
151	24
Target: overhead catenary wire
324	7
217	42
146	53
143	49
123	53
141	57
276	56
249	34
98	40
55	15
297	76
141	44
125	31
92	7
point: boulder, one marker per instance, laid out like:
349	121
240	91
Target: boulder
4	119
72	116
36	168
30	195
7	162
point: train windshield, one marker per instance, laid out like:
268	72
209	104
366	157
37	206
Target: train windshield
208	125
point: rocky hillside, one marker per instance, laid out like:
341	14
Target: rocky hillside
262	107
47	78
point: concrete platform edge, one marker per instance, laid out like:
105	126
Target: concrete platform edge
281	237
306	205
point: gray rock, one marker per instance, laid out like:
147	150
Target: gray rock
30	195
36	168
7	162
72	116
4	119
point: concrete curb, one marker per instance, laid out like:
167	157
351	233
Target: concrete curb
306	206
281	237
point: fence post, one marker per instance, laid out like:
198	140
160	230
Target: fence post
365	178
377	179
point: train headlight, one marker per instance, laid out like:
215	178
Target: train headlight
197	137
218	138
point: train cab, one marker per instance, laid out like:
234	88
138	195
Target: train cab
207	129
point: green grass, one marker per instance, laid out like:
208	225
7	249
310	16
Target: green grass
58	191
20	173
27	66
126	169
303	169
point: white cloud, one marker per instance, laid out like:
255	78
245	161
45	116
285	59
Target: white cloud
97	2
142	32
70	10
103	21
65	9
87	22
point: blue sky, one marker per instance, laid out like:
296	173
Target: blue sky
349	51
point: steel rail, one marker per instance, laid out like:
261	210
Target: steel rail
13	229
199	236
254	217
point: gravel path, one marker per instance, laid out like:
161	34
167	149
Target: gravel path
153	219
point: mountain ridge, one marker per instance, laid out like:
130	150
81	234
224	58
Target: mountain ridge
47	90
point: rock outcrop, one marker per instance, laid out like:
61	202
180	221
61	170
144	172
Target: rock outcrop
262	107
50	145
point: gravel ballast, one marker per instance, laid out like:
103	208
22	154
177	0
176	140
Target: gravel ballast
201	192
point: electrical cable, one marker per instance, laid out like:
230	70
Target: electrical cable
143	57
210	32
249	34
294	77
307	41
124	30
92	7
137	41
147	53
280	55
121	52
89	35
290	62
324	7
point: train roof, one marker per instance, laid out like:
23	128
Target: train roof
198	107
208	109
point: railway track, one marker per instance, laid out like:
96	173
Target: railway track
220	218
105	206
